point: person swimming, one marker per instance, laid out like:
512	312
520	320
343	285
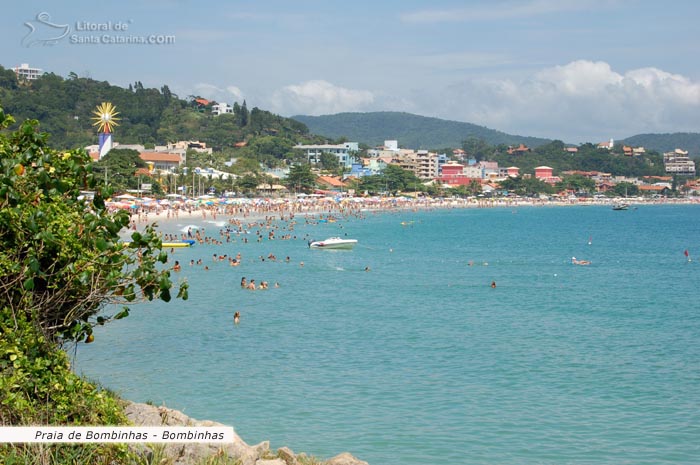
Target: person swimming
493	284
237	318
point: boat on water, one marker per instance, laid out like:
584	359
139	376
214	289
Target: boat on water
171	245
176	244
333	243
621	206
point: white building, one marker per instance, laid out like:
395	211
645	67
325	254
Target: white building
344	152
221	108
678	162
392	145
23	71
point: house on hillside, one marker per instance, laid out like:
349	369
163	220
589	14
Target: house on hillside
607	145
221	108
519	150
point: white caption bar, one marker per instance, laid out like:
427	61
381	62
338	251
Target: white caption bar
84	434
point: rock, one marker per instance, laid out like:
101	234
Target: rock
345	459
286	454
270	462
188	453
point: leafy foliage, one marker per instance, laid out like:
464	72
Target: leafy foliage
301	178
61	259
588	158
37	387
394	179
148	116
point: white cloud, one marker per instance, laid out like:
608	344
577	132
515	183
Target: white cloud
228	95
494	11
577	102
319	97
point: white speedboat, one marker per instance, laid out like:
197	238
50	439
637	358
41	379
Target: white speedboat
333	243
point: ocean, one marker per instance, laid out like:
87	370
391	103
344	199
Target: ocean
419	360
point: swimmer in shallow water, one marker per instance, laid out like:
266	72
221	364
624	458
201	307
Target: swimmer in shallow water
237	317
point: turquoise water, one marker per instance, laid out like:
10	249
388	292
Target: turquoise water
419	360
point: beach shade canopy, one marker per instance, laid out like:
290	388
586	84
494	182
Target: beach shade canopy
125	197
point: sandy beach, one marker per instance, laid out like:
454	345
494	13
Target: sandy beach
251	211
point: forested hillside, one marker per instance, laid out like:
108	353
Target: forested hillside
689	141
588	158
148	116
412	131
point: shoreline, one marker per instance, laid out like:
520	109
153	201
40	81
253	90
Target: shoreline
264	209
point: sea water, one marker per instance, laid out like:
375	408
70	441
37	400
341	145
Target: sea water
419	360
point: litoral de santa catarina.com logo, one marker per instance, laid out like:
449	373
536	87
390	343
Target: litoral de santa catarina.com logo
43	31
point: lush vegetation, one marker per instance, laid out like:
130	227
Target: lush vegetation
412	131
61	262
148	116
588	158
60	256
37	387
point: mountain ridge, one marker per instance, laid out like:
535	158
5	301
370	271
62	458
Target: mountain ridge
425	132
411	130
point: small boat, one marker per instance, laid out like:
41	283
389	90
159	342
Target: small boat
182	243
620	206
333	243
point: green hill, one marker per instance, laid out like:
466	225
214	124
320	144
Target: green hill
412	131
689	141
148	116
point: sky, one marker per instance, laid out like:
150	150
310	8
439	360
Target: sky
573	70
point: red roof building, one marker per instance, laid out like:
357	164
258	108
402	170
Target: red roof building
519	150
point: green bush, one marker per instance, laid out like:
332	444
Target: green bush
37	387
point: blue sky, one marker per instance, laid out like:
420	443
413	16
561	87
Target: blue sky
576	70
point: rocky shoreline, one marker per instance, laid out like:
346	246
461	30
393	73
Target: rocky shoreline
189	453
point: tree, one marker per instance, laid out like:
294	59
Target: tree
61	259
247	183
477	148
625	189
301	178
118	168
329	162
577	183
399	179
